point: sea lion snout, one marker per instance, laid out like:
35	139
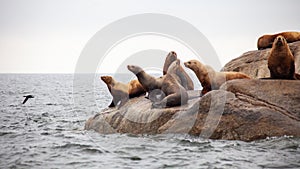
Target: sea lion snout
106	79
187	64
134	69
173	53
103	78
279	40
131	68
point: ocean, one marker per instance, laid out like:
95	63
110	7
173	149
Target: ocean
48	132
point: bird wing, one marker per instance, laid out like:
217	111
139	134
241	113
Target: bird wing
25	100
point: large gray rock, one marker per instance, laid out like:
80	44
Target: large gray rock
255	63
241	110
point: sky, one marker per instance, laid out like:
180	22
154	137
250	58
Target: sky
48	36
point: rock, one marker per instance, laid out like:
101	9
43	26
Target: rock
241	110
137	117
255	110
255	63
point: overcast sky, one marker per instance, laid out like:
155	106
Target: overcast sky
47	36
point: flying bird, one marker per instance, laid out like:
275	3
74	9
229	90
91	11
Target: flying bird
26	98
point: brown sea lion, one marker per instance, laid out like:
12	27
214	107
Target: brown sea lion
281	61
121	91
266	41
174	94
148	82
210	79
186	81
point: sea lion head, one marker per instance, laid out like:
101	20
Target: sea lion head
134	69
172	55
196	66
107	79
191	64
279	41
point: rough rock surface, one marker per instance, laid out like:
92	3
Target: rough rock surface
255	63
241	110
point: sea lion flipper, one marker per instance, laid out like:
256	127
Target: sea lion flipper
112	104
297	76
123	101
156	95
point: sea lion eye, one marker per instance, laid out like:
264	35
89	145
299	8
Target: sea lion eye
189	62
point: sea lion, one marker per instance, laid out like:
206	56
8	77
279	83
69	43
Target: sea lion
148	82
281	61
151	84
174	93
210	79
266	41
185	79
121	91
171	57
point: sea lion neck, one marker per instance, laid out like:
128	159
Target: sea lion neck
113	82
280	48
140	74
202	74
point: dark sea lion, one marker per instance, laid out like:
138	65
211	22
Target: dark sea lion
281	61
174	93
171	57
266	41
148	82
121	91
210	79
